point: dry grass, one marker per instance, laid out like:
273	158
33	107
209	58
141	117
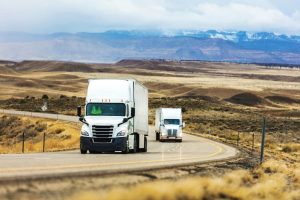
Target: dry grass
59	135
212	79
273	180
274	93
277	178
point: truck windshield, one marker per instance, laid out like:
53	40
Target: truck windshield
105	109
171	121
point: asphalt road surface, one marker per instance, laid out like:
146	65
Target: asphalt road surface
193	149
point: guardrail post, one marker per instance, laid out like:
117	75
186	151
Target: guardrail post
23	141
263	137
44	139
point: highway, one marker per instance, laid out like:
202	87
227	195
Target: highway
192	150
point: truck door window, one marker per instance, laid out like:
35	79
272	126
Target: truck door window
106	109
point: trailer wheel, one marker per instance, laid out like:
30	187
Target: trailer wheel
145	149
83	151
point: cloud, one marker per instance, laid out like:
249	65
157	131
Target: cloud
100	15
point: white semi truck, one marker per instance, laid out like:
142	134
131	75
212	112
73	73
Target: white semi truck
116	117
168	124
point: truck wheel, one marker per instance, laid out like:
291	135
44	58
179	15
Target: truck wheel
157	136
160	139
83	151
135	145
145	149
126	148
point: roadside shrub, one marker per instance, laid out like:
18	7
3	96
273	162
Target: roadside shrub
287	149
40	126
291	147
59	130
56	131
65	137
29	133
5	121
45	97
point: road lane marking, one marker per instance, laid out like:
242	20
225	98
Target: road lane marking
219	150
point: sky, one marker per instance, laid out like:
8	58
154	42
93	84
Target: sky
48	16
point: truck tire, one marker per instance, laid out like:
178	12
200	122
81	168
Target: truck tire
135	144
145	144
145	149
83	151
156	136
126	150
161	140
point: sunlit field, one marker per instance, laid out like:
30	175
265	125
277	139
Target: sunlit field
221	101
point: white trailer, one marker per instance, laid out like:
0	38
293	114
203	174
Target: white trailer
116	117
168	124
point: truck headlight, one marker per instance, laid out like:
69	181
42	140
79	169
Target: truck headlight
85	133
122	133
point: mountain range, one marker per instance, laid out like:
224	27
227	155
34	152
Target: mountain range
111	46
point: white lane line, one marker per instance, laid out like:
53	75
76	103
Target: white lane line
170	159
220	149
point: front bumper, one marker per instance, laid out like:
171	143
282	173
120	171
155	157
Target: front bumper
117	144
165	137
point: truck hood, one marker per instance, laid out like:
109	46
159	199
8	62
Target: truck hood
109	120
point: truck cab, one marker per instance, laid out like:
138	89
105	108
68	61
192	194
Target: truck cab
168	124
115	118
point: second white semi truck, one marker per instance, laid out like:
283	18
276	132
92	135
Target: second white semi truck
168	124
115	118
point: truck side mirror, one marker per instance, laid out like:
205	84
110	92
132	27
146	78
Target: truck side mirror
82	119
132	112
183	124
79	111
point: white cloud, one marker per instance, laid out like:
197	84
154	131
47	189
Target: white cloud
99	15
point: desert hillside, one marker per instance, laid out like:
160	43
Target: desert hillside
265	85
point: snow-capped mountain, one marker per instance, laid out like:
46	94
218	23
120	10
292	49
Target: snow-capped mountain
111	46
240	35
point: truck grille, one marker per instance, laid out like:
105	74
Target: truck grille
172	132
102	133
